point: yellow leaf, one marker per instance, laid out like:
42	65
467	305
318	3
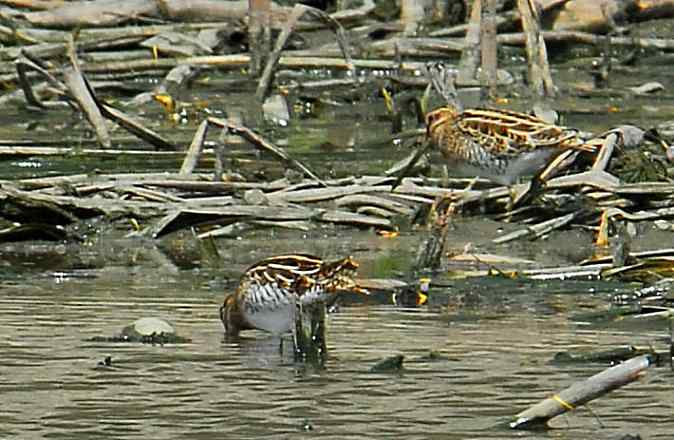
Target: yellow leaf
387	234
602	234
166	101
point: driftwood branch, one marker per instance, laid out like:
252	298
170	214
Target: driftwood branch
583	392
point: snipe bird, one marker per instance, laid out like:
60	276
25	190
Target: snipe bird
499	145
273	291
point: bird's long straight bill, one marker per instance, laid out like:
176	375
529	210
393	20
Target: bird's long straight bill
346	283
352	285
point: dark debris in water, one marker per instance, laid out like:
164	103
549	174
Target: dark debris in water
614	355
393	364
433	356
307	425
105	363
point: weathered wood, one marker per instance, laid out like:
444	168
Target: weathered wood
147	194
540	79
412	14
579	15
66	206
271	61
105	13
193	152
590	39
228	140
582	392
355	14
489	46
238	61
597	16
184	201
133	126
323	194
537	230
259	36
506	19
80	92
367	199
425	46
87	152
470	54
184	218
352	218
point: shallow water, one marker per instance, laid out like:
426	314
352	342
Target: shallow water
497	365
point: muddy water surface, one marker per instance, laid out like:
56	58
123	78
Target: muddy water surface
496	364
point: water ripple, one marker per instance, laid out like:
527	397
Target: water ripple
491	369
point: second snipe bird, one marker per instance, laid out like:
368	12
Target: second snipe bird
499	145
273	291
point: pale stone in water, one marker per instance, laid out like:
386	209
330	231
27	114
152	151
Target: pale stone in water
149	326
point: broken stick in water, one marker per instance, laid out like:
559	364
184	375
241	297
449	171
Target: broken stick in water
582	392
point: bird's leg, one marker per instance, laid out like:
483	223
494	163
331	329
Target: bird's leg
299	337
528	192
318	353
431	250
452	206
533	188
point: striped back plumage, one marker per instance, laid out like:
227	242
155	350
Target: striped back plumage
280	279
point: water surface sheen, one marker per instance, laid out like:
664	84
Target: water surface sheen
497	365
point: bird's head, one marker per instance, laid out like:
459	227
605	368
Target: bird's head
438	118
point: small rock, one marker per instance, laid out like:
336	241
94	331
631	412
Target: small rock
147	326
